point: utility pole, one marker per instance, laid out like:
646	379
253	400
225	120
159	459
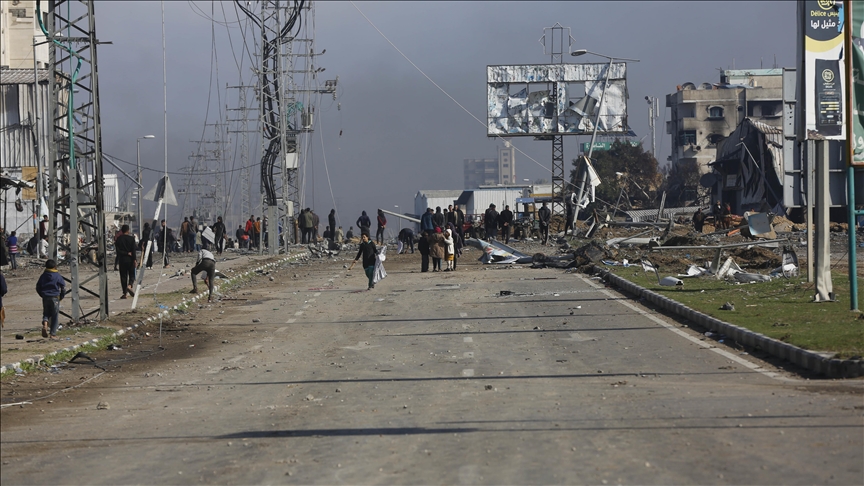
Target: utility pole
287	109
553	44
76	178
242	127
204	190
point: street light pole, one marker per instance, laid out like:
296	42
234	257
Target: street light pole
400	221
580	52
138	201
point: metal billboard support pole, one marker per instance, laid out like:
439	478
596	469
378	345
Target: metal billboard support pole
73	196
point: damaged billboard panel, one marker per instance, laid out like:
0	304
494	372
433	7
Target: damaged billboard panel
542	99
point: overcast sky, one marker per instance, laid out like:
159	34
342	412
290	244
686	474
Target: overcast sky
399	133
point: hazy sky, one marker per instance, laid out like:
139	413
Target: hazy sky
399	133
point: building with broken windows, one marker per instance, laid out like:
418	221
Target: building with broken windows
701	116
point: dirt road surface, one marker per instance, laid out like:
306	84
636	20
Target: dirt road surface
428	378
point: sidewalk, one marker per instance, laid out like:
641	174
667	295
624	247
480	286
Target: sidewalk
24	307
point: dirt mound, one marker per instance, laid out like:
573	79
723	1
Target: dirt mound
756	257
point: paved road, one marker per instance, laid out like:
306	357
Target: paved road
437	378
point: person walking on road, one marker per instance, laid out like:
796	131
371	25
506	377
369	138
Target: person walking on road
50	288
545	216
12	244
368	252
382	223
206	263
127	259
219	231
146	233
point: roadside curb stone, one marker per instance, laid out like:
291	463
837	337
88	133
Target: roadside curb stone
161	315
830	367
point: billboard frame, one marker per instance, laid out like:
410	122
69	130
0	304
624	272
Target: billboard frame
548	110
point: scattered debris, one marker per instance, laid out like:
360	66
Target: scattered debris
728	306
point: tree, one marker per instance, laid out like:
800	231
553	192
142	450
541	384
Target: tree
682	184
627	166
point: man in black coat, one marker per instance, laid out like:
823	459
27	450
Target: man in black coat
331	219
545	216
219	231
490	222
127	259
505	222
438	218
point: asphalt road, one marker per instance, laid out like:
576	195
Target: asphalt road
432	379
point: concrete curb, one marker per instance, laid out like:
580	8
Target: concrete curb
161	315
831	368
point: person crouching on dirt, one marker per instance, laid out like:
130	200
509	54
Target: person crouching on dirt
206	263
51	288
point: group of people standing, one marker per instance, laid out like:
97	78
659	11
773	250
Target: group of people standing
493	221
722	217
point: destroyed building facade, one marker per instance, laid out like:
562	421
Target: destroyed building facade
701	116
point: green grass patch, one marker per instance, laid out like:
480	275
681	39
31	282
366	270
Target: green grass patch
106	338
781	309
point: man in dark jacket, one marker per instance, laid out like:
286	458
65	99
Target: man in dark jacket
219	231
368	251
438	218
127	259
331	219
423	248
51	288
490	222
460	221
426	221
364	223
505	223
544	215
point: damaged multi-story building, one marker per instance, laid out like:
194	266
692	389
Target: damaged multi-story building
704	115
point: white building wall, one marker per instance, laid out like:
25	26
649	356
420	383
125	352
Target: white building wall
18	26
482	198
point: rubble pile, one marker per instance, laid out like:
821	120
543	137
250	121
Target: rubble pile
756	257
